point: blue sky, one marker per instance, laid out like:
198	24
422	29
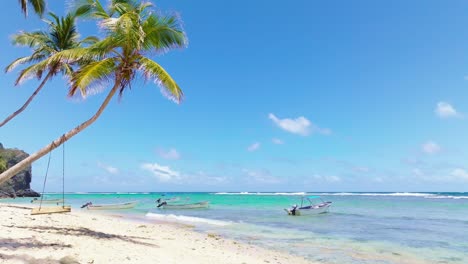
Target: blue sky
300	96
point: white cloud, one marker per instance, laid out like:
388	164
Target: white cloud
446	110
300	126
431	147
460	174
170	154
262	176
108	168
326	178
255	146
277	141
162	173
378	179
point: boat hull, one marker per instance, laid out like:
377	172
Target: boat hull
199	205
112	206
310	211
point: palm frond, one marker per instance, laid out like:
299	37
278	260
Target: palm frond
90	74
38	6
35	70
71	56
164	33
89	40
153	70
67	70
90	8
30	39
127	27
24	60
24	6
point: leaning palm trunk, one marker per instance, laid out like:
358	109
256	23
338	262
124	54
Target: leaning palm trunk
17	112
8	174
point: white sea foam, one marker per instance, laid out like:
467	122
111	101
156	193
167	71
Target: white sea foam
381	194
260	193
187	219
446	197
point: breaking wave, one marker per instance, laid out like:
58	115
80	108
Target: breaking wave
187	219
380	194
260	193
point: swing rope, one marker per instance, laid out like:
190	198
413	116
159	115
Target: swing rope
45	180
63	175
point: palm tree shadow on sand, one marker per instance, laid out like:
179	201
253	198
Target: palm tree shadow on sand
80	231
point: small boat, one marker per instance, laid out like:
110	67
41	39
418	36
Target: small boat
199	205
117	206
316	206
47	201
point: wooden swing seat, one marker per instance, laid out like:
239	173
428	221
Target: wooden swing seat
51	210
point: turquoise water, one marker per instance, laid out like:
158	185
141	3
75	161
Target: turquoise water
360	228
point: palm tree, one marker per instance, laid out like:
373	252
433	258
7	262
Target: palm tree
61	35
132	31
38	6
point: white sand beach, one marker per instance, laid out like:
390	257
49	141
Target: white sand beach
85	237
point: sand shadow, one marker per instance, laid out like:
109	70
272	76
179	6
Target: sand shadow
26	259
29	243
83	231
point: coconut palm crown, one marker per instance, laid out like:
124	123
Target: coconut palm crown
61	35
133	29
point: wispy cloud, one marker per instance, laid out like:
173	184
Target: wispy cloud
206	178
460	174
261	176
162	173
327	178
108	168
431	147
446	110
254	147
170	154
300	125
277	141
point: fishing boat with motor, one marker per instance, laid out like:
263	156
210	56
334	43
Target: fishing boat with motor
310	205
198	205
117	206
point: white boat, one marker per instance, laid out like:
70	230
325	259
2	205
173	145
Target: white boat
315	206
116	206
47	201
199	205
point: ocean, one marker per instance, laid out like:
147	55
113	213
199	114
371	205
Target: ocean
370	228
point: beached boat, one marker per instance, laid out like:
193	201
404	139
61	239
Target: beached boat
199	205
316	206
117	206
47	201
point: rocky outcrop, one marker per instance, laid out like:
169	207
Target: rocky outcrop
19	185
